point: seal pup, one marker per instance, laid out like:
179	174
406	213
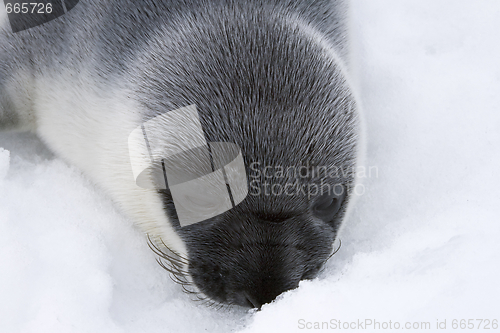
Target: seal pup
268	76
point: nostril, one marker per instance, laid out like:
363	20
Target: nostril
252	301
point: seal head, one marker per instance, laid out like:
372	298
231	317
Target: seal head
271	84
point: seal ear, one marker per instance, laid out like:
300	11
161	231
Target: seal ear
327	205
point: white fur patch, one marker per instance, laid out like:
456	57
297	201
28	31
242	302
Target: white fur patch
90	129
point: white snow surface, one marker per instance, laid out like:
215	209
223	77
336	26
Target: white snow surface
422	244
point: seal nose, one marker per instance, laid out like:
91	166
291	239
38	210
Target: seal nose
254	296
252	301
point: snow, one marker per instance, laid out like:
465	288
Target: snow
421	245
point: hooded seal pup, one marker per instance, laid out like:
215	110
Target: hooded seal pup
267	75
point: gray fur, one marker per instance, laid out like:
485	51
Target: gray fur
267	75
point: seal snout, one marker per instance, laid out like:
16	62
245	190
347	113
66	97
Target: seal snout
250	276
264	290
244	260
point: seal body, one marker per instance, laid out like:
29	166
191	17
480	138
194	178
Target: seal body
266	75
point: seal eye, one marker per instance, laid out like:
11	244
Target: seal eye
327	205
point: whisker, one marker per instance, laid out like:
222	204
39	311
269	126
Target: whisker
329	257
180	281
187	291
181	275
179	260
173	259
175	264
184	259
168	269
334	252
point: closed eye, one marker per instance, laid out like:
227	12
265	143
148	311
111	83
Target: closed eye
327	205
